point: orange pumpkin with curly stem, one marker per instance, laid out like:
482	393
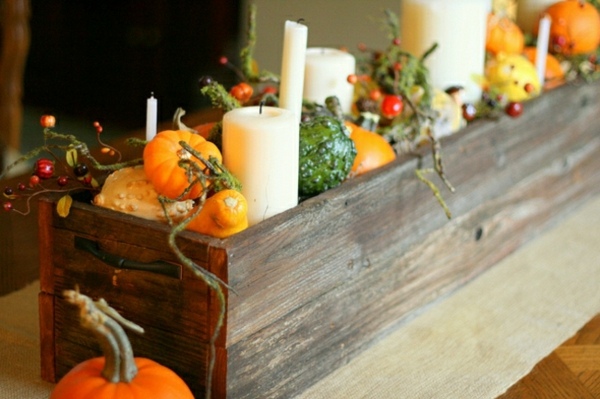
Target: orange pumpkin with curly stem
162	155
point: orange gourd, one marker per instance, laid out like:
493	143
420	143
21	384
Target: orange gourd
575	27
503	35
372	150
85	381
554	71
162	155
223	214
204	129
116	375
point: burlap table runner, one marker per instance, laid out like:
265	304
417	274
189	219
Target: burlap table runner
474	344
481	340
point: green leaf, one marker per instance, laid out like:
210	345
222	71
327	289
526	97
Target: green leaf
71	156
63	206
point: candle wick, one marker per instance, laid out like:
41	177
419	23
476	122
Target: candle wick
260	106
300	21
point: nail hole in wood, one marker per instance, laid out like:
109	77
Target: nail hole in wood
478	233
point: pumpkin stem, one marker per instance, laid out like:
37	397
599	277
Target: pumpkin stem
104	321
178	123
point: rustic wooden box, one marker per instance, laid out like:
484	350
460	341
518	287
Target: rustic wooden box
318	284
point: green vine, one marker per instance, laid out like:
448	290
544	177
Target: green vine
249	66
395	71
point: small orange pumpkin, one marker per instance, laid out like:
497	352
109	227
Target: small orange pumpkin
503	35
116	375
161	162
554	71
223	214
575	27
85	381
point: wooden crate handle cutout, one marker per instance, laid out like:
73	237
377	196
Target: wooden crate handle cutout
158	267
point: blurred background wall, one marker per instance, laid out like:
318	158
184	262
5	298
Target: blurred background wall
100	60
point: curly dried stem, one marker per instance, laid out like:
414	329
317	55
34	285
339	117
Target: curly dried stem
436	192
212	281
119	363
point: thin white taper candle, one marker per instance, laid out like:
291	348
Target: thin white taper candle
151	117
292	67
542	47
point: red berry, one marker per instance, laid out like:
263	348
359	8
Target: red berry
87	179
21	187
242	92
47	121
7	206
270	90
469	112
352	79
62	180
375	94
392	106
34	180
44	168
8	191
223	60
514	109
396	41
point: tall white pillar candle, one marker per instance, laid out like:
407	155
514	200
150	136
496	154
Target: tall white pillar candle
292	67
260	147
459	28
151	117
541	52
326	74
529	12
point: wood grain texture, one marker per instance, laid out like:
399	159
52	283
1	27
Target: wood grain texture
318	284
571	371
19	264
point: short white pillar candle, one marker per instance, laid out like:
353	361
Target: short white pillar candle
261	148
459	28
326	74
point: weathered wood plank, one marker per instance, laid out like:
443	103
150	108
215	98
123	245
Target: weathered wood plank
392	207
340	324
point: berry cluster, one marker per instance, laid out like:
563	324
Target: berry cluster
53	174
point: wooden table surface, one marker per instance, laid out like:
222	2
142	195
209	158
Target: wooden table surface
571	371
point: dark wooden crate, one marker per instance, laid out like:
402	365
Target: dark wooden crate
318	284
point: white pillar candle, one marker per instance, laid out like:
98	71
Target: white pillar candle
260	147
326	74
541	52
151	117
529	12
459	28
292	67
